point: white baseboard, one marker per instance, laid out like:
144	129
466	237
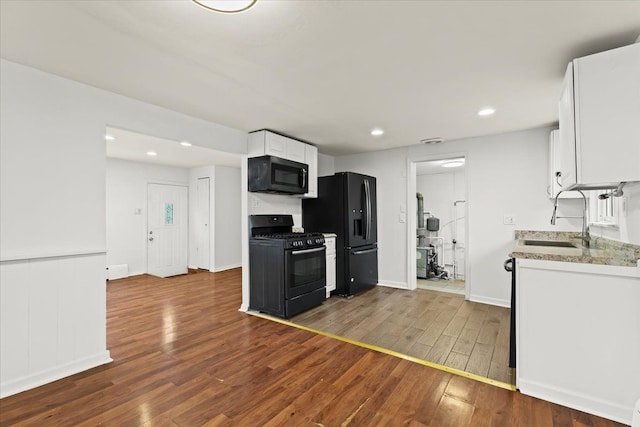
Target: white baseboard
226	267
37	379
392	284
589	404
117	271
490	301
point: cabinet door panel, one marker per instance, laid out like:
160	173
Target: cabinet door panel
296	151
567	134
607	102
275	145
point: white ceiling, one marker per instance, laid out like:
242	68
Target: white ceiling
134	146
326	72
435	166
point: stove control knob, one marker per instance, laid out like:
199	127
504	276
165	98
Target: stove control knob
310	242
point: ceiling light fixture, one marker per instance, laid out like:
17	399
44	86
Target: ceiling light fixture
377	132
436	140
226	6
108	137
453	163
151	153
185	144
486	112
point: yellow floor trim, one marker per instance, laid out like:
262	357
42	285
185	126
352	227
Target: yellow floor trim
475	377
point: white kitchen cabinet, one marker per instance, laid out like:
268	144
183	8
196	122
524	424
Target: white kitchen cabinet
553	186
311	159
264	142
599	112
330	244
578	335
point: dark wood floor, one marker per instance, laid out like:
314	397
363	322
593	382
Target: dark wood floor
184	356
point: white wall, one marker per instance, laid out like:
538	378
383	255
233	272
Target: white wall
127	192
326	165
228	219
506	174
52	216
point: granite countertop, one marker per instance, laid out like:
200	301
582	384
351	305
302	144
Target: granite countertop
601	251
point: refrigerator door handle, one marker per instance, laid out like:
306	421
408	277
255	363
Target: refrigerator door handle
367	194
366	251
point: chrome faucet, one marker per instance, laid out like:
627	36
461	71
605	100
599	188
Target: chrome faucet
586	237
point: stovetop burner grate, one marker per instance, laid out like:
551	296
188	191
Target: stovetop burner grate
288	235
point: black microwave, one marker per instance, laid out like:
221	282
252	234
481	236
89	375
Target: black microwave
270	174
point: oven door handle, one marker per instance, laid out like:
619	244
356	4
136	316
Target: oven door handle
307	251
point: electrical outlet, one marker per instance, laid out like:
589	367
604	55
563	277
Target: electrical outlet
402	218
509	219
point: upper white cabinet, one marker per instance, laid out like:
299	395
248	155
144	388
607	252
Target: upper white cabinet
311	158
599	113
264	142
555	169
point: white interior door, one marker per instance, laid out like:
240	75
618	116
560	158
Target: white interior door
202	227
167	228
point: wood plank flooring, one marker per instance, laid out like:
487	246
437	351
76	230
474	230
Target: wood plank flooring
456	286
437	327
185	356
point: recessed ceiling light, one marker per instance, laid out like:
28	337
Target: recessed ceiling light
151	153
486	112
453	163
185	144
226	6
377	132
109	137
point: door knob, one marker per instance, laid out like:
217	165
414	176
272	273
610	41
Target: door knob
151	239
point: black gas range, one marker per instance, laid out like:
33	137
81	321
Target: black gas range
287	270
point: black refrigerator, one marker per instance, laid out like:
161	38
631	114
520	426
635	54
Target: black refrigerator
346	206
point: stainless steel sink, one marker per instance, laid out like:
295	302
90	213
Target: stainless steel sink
550	243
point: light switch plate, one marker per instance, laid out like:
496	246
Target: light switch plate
509	219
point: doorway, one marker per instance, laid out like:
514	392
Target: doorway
202	218
167	230
437	233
